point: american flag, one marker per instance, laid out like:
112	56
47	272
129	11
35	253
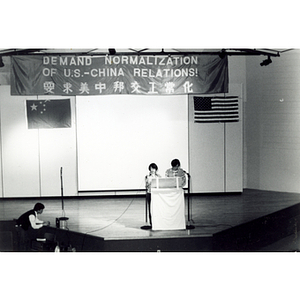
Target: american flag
216	109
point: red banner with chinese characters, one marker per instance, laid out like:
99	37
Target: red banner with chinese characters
119	74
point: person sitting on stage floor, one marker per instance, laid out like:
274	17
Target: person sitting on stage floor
176	171
29	225
153	174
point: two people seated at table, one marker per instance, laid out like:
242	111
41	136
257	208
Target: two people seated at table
174	171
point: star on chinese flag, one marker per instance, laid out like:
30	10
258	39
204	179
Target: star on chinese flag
48	113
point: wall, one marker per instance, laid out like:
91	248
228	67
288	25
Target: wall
272	123
271	146
237	80
217	159
119	136
31	159
216	152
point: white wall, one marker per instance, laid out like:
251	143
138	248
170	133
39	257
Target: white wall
31	158
58	149
216	152
119	136
273	122
20	163
271	134
237	80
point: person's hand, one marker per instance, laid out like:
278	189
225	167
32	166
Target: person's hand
47	223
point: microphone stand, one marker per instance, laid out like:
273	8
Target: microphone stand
146	227
62	220
189	226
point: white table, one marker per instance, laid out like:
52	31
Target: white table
167	209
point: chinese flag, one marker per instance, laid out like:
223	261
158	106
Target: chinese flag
48	113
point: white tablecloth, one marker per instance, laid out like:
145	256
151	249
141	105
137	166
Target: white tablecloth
167	209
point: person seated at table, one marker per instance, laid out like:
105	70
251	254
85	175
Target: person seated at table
176	171
29	225
148	179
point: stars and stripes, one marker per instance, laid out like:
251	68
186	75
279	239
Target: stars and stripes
216	109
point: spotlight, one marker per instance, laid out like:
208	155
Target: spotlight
222	54
266	61
112	51
1	62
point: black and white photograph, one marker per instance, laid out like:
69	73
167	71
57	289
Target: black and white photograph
178	159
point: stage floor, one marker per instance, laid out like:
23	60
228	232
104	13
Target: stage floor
116	218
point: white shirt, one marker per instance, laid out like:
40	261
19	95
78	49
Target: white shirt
148	179
177	173
35	222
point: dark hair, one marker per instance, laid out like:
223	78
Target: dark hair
175	162
154	166
38	206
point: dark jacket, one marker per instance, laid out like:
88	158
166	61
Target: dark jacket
23	220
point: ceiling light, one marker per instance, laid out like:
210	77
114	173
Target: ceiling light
266	61
222	54
112	51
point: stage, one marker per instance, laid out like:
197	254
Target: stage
250	221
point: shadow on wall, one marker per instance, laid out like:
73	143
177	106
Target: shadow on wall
5	71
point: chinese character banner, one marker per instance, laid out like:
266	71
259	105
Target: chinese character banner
107	75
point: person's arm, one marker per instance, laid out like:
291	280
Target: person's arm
183	178
147	181
45	223
33	221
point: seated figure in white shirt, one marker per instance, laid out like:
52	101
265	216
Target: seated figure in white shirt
148	179
176	171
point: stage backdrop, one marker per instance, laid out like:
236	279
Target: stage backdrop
118	137
124	74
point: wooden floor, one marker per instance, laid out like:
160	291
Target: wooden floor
122	217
